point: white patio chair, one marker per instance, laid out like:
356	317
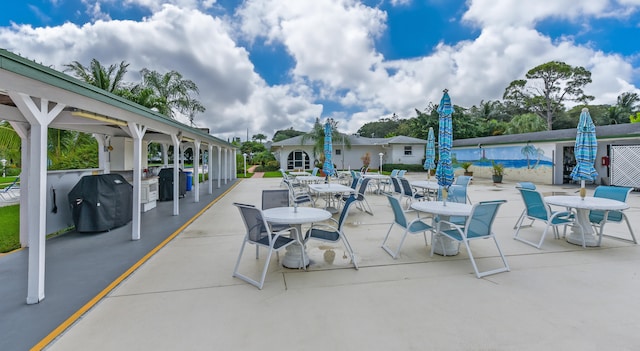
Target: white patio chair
259	233
478	226
410	227
536	209
332	234
599	218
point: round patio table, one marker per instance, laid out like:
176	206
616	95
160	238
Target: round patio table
583	207
295	216
443	245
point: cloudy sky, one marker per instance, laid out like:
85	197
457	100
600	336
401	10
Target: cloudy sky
264	65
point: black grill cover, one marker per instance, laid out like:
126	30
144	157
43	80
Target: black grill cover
165	184
101	202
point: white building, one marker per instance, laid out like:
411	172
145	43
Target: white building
293	154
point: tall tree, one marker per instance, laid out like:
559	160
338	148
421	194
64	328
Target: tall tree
526	123
175	90
286	134
259	137
547	87
106	78
317	135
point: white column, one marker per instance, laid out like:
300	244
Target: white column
226	165
219	165
176	175
103	152
210	168
234	162
39	118
137	132
165	155
196	170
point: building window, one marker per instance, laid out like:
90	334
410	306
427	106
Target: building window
407	151
338	152
298	160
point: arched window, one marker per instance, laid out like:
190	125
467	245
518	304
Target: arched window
298	159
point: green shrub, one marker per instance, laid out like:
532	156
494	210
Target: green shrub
409	167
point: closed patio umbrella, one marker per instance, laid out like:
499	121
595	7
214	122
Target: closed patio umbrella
327	166
585	151
429	161
444	171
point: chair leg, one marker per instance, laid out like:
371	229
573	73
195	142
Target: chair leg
347	245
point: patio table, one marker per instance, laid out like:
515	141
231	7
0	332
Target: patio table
328	190
295	216
442	245
377	178
583	206
309	179
429	188
300	173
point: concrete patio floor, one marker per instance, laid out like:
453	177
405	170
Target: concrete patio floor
561	297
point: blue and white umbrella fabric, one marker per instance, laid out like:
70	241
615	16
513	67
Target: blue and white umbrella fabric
444	172
429	161
585	149
327	167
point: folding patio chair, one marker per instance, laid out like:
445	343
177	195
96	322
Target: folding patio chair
410	227
536	209
259	233
361	200
478	226
456	193
524	185
408	192
464	181
299	195
599	218
332	234
275	198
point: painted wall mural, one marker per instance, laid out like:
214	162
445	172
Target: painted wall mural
528	162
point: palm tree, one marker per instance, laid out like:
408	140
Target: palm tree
106	78
9	142
176	91
317	135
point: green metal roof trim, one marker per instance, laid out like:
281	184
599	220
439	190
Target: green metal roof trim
30	69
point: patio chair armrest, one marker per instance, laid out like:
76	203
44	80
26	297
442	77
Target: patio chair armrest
289	232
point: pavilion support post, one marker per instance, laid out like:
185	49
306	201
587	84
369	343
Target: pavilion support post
176	174
219	165
39	118
210	168
137	132
196	170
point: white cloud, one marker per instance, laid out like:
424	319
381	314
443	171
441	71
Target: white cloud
333	49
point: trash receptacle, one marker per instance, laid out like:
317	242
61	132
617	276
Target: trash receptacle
189	175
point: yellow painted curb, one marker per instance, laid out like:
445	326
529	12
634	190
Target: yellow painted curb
74	317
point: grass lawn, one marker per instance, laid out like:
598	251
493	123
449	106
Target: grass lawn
272	174
9	228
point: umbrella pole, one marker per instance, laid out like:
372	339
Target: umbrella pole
583	190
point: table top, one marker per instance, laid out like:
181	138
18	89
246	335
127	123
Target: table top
438	207
425	184
299	173
310	178
330	188
589	202
289	215
375	176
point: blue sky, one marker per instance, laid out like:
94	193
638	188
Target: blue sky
265	65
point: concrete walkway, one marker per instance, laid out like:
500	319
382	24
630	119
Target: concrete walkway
561	297
81	268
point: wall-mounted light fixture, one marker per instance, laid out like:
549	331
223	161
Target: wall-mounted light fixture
100	118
